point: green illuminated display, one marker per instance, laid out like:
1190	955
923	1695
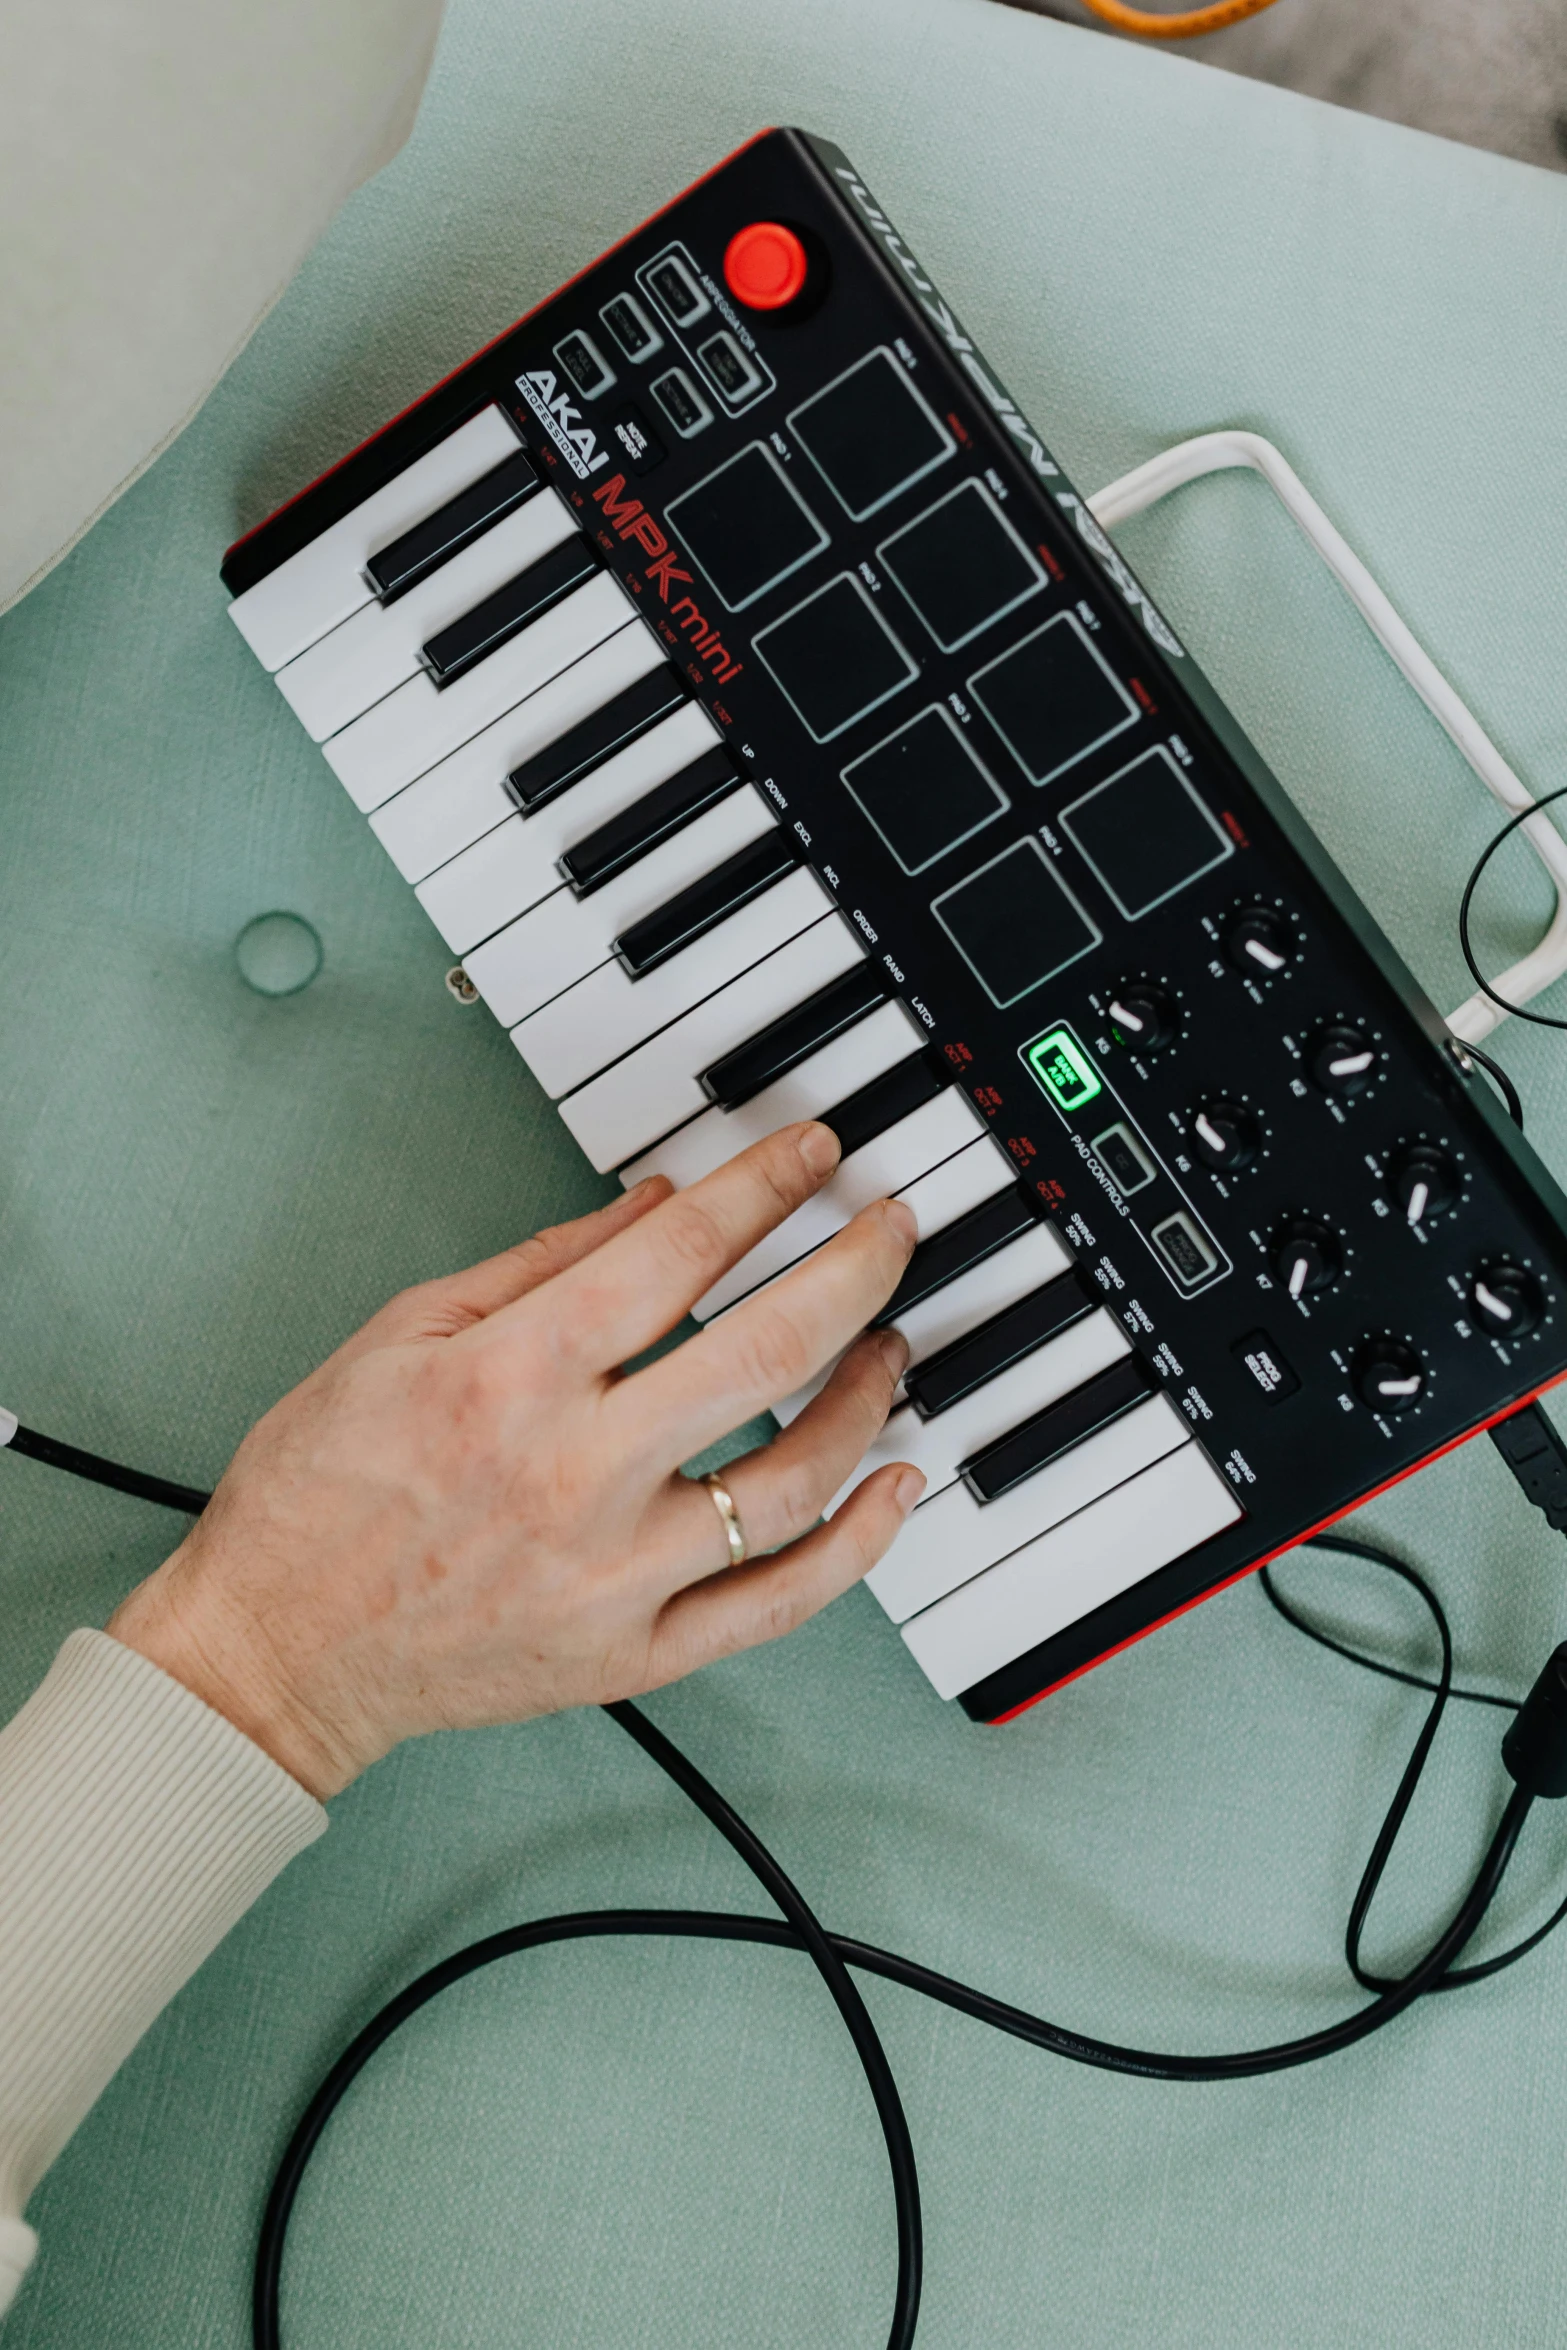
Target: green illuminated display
1064	1070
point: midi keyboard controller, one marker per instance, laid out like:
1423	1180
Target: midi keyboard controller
765	723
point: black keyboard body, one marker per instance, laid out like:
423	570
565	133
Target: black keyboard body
997	756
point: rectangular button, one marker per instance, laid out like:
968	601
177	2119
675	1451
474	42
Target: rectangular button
673	928
881	1166
589	863
512	608
971	1362
1051	1371
465	796
561	940
343	674
625	1110
324	582
783	1044
595	738
1025	1451
895	1094
417	724
886	1035
394	569
951	1539
1172	1507
1001	1279
607	1014
963	1245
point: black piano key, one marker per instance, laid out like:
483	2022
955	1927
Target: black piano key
451	527
905	1087
766	1057
510	610
706	903
600	855
946	1378
591	741
1039	1441
960	1246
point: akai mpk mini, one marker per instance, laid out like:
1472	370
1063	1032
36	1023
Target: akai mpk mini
763	720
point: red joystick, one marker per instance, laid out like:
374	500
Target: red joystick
765	265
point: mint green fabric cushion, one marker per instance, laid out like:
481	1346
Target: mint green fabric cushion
201	1190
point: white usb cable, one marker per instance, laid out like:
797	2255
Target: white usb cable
1214	452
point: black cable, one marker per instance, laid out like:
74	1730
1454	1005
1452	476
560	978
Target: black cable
98	1471
833	1954
1518	1011
1512	1100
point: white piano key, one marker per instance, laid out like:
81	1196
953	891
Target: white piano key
459	801
364	657
512	868
818	1083
608	1014
417	723
938	1199
627	1108
951	1538
560	941
324	582
889	1161
1043	1377
988	1288
1065	1574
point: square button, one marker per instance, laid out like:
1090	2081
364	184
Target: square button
631	327
924	789
729	367
585	364
835	657
747	526
1185	1248
682	403
870	434
1053	698
962	565
1015	922
1145	833
1121	1154
672	285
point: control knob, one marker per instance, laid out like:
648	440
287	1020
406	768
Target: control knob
1341	1059
1146	1016
1306	1255
1260	941
1390	1375
1505	1299
1424	1180
1225	1135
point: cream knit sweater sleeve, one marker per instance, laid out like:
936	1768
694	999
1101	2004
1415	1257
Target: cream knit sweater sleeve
136	1827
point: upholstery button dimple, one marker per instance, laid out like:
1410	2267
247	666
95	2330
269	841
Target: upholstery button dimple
278	954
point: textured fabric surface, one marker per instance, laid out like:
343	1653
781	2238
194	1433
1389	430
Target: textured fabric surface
201	1190
136	1827
163	169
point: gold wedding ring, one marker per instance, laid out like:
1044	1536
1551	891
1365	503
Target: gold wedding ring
724	1503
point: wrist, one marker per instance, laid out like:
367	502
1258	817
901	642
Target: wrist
178	1623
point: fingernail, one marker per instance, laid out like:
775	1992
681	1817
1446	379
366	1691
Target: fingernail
819	1150
893	1348
908	1490
902	1220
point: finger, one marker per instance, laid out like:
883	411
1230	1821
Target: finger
774	1342
441	1308
759	1602
781	1489
636	1288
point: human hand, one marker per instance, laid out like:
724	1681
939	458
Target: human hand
469	1514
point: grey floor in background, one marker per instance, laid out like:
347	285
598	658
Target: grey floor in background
1492	73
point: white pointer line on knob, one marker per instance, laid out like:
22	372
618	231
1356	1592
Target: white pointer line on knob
1268	957
1210	1134
1410	1386
1351	1065
1490	1303
1298	1273
1417	1202
1128	1019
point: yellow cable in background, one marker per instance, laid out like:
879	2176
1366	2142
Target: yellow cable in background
1185	25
